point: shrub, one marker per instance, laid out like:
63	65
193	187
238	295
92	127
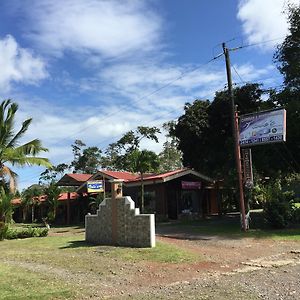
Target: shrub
21	233
277	214
3	230
278	207
296	215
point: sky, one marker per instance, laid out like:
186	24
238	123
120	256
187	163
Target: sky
95	69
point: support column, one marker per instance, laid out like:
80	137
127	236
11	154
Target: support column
116	192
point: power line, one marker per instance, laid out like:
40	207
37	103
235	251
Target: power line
182	75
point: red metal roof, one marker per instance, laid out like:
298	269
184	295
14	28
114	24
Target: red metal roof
159	176
80	177
127	176
43	198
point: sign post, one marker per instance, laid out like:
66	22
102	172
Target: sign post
247	166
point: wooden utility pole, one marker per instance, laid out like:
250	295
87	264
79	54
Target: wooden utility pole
235	129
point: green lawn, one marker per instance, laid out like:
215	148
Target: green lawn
69	253
229	226
17	283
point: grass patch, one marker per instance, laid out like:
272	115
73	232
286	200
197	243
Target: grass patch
163	253
229	227
17	283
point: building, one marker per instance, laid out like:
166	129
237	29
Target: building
172	195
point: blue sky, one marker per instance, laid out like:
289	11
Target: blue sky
91	69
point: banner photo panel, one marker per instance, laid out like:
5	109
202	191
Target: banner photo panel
263	128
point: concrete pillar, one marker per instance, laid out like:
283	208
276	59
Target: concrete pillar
116	192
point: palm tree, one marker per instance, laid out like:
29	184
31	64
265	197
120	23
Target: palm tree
6	211
52	192
142	162
10	150
30	198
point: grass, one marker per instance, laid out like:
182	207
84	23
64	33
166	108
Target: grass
163	253
229	227
17	283
71	254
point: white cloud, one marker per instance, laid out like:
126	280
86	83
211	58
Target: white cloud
264	20
18	65
249	73
109	28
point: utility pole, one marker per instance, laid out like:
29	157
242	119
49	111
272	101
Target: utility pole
235	129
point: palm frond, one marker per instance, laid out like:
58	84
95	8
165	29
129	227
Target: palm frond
7	115
23	160
33	148
11	175
20	133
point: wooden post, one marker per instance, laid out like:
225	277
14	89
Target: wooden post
68	209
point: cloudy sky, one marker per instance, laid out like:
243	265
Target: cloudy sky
94	69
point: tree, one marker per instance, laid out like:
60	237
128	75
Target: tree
142	162
204	130
125	154
287	55
6	211
85	160
170	158
10	150
118	154
52	174
30	198
52	193
287	58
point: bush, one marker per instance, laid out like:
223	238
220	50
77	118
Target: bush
3	230
296	215
278	207
278	214
21	233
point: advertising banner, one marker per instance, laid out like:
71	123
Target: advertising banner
263	128
94	186
191	185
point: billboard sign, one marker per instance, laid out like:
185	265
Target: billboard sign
263	127
94	186
191	185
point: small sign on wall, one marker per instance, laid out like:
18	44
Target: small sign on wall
95	186
191	185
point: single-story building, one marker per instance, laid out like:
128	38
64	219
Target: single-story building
169	195
173	195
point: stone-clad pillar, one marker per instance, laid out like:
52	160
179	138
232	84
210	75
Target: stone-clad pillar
116	192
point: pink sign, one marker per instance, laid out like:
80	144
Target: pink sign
191	185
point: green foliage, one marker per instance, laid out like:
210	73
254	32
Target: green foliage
142	162
52	192
170	158
287	55
30	198
85	160
21	233
51	174
118	155
6	208
3	230
10	150
205	130
278	206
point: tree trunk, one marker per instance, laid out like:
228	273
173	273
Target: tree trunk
32	213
